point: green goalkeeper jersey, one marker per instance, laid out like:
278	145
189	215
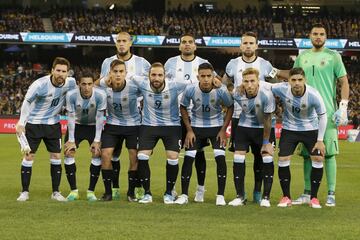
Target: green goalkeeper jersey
322	69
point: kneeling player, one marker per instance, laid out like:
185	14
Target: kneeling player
304	121
206	123
86	106
255	126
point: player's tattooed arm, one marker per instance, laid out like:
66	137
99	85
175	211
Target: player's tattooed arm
267	147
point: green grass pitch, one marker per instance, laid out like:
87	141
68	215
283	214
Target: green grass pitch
41	218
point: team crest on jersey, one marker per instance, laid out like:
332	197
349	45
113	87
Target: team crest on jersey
92	105
198	100
166	96
150	95
212	100
303	106
240	70
179	70
50	95
257	105
78	106
124	99
323	62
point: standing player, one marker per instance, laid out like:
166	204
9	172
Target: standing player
122	123
39	119
255	126
233	75
135	65
85	106
160	121
304	121
323	68
206	123
184	67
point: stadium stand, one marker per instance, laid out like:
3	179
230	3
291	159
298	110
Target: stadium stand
20	20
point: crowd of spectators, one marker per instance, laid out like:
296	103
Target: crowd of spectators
99	20
217	23
336	26
178	21
20	20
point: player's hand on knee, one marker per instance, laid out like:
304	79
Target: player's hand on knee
95	148
69	148
318	149
19	128
190	139
267	149
221	136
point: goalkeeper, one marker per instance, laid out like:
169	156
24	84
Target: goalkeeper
323	68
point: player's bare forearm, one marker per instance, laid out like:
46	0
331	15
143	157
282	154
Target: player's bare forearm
228	117
345	89
267	126
185	118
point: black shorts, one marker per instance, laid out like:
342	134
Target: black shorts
114	135
234	125
205	134
150	135
50	134
204	143
253	137
290	139
82	132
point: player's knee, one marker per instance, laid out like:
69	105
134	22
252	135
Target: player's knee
172	155
70	154
55	155
190	153
238	158
219	152
29	157
317	158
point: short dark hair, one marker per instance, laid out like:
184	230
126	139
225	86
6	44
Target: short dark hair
61	61
205	65
187	35
296	70
157	64
85	74
249	34
116	62
318	25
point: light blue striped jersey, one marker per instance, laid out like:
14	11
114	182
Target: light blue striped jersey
180	70
47	100
253	109
235	68
207	106
122	107
300	113
85	109
160	109
134	66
